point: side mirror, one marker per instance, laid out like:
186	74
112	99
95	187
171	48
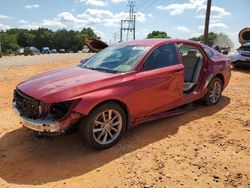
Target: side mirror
83	61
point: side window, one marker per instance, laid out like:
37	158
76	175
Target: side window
209	52
163	56
186	51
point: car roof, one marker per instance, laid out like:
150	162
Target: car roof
155	42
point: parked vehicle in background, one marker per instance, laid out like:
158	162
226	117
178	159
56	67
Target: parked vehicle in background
62	50
242	55
46	50
20	51
30	51
53	51
122	86
85	49
222	49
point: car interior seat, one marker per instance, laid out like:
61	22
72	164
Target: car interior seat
192	68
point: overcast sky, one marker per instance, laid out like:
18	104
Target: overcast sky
179	18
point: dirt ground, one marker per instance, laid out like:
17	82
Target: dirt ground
206	147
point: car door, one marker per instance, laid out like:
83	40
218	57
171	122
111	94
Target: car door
159	83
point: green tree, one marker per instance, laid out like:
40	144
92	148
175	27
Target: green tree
63	39
43	37
89	32
26	39
158	34
9	44
211	38
13	39
78	41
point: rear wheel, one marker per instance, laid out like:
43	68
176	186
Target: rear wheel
214	92
104	126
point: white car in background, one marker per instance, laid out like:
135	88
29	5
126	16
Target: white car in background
242	55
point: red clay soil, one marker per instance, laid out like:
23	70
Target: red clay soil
207	147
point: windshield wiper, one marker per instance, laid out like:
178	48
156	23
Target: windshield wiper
101	69
106	70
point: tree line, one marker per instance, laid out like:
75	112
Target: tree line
213	38
14	39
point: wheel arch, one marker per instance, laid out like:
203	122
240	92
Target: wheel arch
218	75
121	104
221	77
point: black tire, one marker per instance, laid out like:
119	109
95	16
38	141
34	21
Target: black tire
207	98
87	125
235	64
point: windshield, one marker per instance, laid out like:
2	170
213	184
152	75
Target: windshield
116	58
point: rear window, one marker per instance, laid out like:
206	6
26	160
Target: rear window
210	53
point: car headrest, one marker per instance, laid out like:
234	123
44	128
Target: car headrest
192	53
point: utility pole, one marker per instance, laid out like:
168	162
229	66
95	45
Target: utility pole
209	2
129	24
1	43
0	49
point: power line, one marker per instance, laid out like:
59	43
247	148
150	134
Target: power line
151	4
155	2
143	4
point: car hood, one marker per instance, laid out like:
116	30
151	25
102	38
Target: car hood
66	84
95	45
244	35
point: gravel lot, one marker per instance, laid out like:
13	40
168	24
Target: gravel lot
207	147
41	59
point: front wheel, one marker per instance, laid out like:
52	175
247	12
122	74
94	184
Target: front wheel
104	126
214	92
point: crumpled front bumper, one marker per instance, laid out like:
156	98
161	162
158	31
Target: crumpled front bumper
40	125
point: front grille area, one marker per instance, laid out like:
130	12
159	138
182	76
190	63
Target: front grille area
35	109
26	105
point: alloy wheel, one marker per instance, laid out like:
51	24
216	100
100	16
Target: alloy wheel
215	92
107	126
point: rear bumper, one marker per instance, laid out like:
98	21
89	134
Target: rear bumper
40	125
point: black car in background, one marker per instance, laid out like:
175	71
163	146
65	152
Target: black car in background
30	51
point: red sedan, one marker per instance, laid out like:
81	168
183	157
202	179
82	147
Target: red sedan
122	86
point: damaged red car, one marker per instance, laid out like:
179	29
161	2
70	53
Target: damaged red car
122	86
